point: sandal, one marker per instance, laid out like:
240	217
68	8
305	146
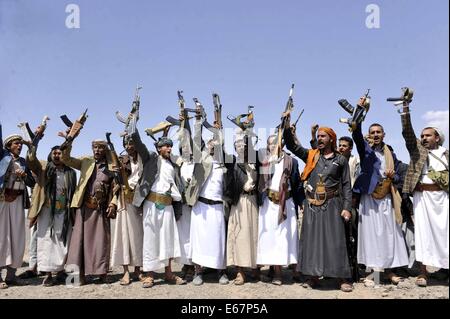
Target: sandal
125	281
421	280
240	279
48	281
3	285
175	280
368	283
148	282
395	280
277	281
346	286
311	283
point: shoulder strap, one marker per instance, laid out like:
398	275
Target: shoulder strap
445	165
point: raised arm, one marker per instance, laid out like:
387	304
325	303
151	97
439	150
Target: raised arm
68	160
293	146
33	163
408	133
140	146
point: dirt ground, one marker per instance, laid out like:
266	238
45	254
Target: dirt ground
437	289
32	288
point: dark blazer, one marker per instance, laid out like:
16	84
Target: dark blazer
149	173
370	165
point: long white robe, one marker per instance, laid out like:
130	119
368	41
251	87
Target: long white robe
184	223
12	223
277	244
128	229
161	240
431	219
380	239
208	238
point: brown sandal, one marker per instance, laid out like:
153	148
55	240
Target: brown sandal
421	281
148	282
175	280
395	280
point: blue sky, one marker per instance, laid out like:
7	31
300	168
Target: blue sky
247	51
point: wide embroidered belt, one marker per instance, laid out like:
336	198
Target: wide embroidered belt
319	198
275	196
156	198
427	188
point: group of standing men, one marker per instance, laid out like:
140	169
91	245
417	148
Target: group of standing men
214	210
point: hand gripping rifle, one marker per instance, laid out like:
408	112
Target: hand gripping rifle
133	115
404	100
358	113
36	136
284	120
120	176
245	125
74	128
248	123
183	122
160	127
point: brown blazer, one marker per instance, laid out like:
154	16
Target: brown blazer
417	153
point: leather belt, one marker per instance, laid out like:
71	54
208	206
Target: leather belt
330	193
156	198
274	196
427	187
10	195
209	201
250	193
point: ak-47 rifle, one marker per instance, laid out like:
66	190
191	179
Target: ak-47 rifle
133	115
74	128
120	176
183	122
404	100
358	113
284	119
160	127
243	125
217	111
36	136
298	118
247	125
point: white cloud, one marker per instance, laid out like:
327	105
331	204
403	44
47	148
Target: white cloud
438	119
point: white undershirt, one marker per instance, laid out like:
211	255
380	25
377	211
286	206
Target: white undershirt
165	178
213	187
276	178
136	172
